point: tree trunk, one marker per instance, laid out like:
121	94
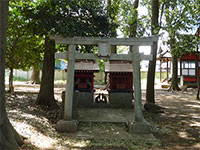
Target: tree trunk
150	93
114	32
174	83
11	67
9	138
197	74
46	93
172	42
35	77
11	87
197	61
133	26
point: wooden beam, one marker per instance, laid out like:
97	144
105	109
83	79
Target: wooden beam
160	70
167	70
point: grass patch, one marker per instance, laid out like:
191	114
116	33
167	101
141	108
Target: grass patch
16	78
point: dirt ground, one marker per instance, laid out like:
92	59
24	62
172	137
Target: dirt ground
178	128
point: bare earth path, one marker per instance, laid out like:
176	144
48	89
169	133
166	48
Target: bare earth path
177	128
181	121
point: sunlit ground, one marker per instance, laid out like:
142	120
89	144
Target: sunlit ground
177	128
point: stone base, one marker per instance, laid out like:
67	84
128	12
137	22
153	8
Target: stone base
83	99
67	125
139	127
121	99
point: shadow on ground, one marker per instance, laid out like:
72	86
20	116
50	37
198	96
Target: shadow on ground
177	128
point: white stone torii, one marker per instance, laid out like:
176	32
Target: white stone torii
104	52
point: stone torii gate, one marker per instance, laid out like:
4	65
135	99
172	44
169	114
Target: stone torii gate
104	52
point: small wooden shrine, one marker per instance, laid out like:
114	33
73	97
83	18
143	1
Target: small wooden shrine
84	83
121	83
84	75
188	69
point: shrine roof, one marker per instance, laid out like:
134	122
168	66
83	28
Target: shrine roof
118	67
87	66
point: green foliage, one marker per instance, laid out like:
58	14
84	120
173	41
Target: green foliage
30	21
23	48
184	44
87	49
68	18
61	48
19	79
101	65
181	16
128	17
113	9
177	18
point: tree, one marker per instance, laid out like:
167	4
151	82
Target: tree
113	7
9	138
172	41
46	94
35	77
131	23
67	18
21	52
197	63
150	95
175	17
134	24
180	17
197	73
113	11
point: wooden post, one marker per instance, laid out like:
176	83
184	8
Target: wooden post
137	84
160	69
70	84
181	68
167	70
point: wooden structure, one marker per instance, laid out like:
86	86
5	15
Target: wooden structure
190	66
84	75
165	59
120	75
188	69
84	83
121	83
104	52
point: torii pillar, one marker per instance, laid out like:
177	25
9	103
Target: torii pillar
140	126
67	124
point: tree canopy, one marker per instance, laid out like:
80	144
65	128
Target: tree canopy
23	47
180	18
68	18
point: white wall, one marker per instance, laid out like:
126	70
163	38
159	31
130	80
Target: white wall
59	74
